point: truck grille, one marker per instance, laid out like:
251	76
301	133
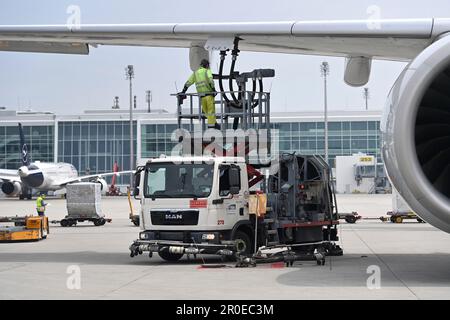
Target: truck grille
174	217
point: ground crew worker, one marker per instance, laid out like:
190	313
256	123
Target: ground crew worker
204	83
40	205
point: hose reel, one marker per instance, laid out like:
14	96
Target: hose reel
241	79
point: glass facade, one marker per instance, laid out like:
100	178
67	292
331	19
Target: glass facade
39	139
93	146
344	138
155	139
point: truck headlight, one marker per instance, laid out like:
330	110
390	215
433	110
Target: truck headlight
142	236
208	236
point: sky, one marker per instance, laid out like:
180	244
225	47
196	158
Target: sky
69	84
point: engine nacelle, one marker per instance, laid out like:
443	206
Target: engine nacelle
104	185
12	189
416	134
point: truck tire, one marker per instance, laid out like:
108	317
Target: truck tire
350	219
246	242
99	222
171	257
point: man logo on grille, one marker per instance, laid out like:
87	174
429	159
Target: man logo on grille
173	216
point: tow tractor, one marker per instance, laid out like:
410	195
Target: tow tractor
400	210
222	192
29	228
399	217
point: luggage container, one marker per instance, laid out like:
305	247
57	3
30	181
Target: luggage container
83	204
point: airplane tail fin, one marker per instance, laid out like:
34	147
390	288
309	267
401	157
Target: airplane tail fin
24	156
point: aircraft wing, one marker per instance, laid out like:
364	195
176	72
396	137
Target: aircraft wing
396	39
91	177
9	175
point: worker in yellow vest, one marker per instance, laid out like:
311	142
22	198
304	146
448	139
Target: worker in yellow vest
40	205
204	84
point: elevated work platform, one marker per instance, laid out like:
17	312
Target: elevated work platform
253	111
245	128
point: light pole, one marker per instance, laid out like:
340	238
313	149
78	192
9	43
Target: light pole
148	98
325	71
366	97
129	73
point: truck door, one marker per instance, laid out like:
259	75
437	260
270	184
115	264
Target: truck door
231	204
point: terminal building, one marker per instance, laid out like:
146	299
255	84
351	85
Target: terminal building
94	140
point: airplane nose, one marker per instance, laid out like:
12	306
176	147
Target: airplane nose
23	172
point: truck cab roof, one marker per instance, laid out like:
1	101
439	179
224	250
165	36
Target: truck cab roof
196	159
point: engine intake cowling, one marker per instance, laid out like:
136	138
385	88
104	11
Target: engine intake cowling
416	134
103	184
11	189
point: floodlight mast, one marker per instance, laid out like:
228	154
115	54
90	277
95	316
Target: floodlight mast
366	96
325	71
148	99
129	73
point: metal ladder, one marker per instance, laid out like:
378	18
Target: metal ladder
271	229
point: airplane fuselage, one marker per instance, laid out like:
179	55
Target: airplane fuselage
45	176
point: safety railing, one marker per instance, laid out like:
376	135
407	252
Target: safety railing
253	111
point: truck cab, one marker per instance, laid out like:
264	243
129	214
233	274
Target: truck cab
194	205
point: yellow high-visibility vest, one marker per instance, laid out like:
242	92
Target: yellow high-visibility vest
39	202
203	80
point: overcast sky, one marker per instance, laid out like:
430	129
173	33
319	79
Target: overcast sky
69	83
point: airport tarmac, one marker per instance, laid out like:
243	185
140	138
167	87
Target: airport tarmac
412	259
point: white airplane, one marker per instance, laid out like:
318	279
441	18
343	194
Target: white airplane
44	176
416	123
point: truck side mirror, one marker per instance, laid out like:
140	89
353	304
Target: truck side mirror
137	182
235	179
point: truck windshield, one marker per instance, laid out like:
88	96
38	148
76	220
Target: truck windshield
169	180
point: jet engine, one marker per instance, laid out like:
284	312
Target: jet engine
103	184
416	134
12	189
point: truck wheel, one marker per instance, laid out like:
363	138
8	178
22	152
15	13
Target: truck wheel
350	219
64	223
398	220
245	244
171	257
